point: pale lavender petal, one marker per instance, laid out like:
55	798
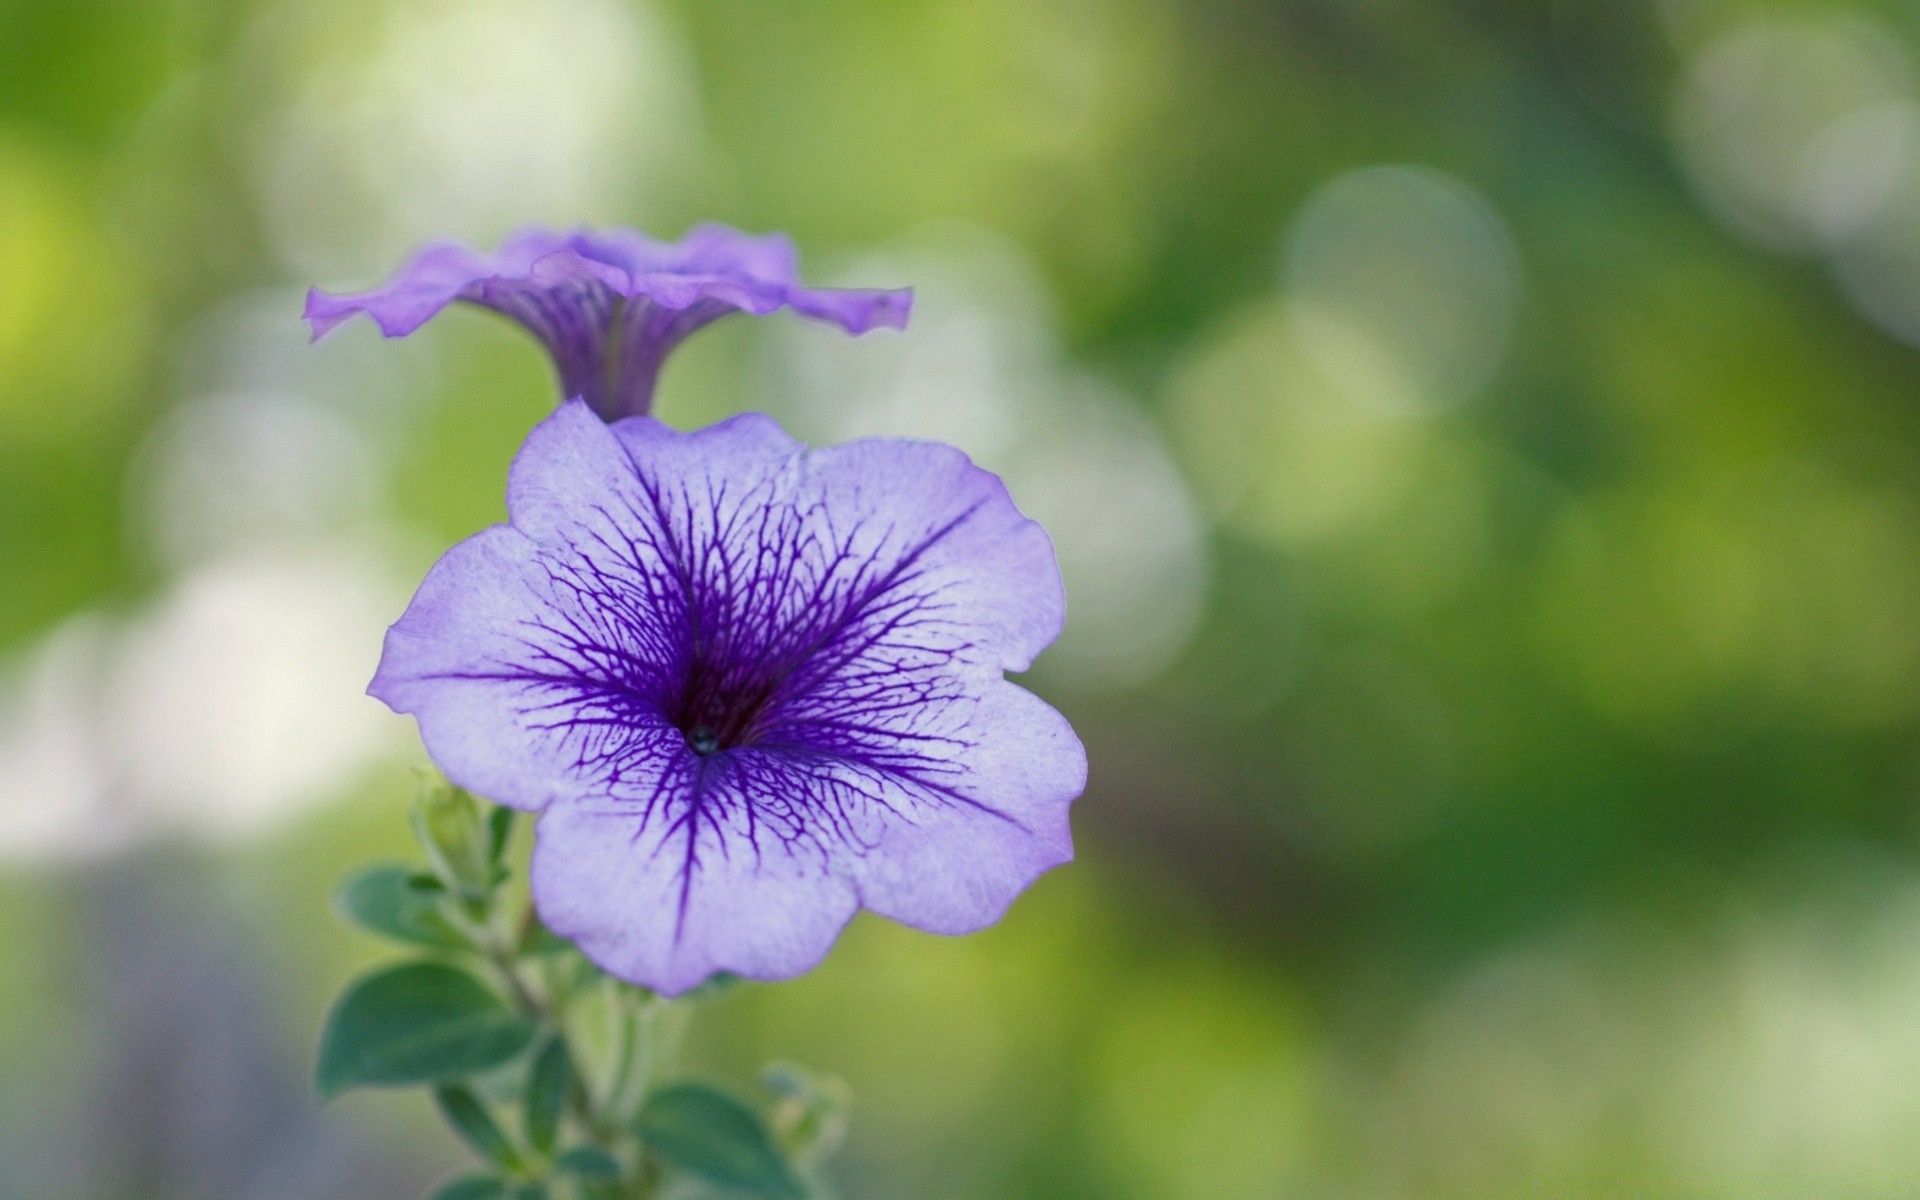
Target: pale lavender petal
753	686
458	661
852	309
956	866
708	879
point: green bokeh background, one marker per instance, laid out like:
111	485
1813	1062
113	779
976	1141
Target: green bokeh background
1521	799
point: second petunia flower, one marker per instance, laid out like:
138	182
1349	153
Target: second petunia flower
610	305
750	687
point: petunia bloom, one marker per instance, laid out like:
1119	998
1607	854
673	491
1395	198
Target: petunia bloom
610	305
751	687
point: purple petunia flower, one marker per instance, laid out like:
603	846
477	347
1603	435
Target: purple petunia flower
610	306
751	687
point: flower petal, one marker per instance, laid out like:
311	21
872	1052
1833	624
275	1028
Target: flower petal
429	282
701	879
954	867
457	660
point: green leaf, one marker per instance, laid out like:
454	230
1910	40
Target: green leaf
475	1125
418	1022
715	1136
470	1187
588	1162
499	832
547	1088
535	1190
382	899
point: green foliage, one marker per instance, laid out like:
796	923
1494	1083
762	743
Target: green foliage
392	902
547	1088
811	1116
461	846
435	1023
499	833
588	1162
475	1125
418	1022
713	1135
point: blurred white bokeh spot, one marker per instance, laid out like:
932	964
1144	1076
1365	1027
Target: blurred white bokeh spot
981	367
1794	129
1878	267
464	118
240	700
225	471
1401	284
1853	168
53	782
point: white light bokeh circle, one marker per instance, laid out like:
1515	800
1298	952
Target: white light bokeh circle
1878	266
54	782
239	700
231	705
1401	283
248	468
1794	129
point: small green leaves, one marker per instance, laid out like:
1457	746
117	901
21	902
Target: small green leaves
499	833
588	1162
470	1187
810	1118
448	824
429	1021
547	1088
475	1125
416	1023
711	1134
383	899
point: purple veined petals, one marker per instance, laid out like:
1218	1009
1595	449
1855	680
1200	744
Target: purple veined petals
750	688
611	305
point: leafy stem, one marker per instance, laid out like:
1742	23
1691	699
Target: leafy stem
601	1120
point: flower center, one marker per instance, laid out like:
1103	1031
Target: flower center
717	707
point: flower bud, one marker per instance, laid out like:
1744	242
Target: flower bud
451	830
